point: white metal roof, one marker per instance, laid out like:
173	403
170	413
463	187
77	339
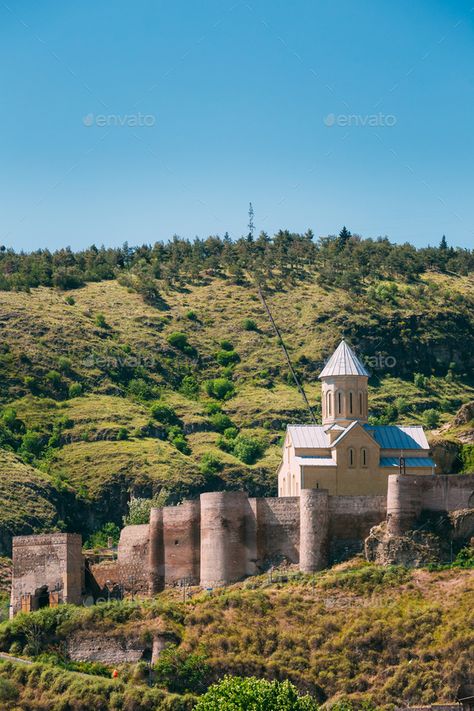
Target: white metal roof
343	362
395	437
315	461
387	436
308	436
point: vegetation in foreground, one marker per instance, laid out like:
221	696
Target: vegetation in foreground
358	635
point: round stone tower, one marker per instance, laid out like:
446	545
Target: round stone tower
314	529
403	503
223	538
344	388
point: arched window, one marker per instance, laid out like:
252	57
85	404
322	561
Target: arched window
328	404
339	402
364	457
351	398
351	457
361	409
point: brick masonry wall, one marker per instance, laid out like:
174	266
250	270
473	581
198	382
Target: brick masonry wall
278	529
133	558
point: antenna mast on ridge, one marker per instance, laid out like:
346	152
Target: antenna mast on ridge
301	390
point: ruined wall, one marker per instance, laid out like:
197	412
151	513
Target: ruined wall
350	521
46	569
409	495
181	540
278	530
133	558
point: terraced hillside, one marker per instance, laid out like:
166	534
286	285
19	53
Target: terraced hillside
104	395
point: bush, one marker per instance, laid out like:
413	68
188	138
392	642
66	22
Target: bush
53	378
8	691
220	388
64	364
248	324
247	449
75	390
431	418
226	345
220	422
100	321
191	315
419	380
190	387
122	434
179	671
227	358
141	390
70	300
176	437
164	413
251	694
100	538
210	464
179	340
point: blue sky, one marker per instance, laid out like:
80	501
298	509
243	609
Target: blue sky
136	121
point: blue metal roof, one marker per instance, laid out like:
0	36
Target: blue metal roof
395	437
409	462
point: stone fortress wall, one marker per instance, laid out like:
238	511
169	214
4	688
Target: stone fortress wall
223	537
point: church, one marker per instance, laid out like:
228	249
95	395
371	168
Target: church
345	455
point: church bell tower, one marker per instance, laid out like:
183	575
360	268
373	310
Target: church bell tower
344	396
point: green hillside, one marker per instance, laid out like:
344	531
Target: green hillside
108	392
375	637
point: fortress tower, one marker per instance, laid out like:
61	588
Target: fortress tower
344	388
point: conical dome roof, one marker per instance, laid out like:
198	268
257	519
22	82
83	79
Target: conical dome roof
343	362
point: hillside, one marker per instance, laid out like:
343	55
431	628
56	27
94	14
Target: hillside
377	637
105	395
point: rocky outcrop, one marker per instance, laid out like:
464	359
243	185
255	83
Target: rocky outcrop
431	543
446	453
465	414
414	549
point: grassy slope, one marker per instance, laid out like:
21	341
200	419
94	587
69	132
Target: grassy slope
41	327
391	636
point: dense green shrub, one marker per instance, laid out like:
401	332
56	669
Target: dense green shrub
227	358
431	418
210	464
100	539
190	387
220	388
181	671
247	449
75	390
251	694
220	422
164	413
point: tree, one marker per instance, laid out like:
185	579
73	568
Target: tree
443	244
344	236
252	694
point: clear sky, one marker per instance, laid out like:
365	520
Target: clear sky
139	120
